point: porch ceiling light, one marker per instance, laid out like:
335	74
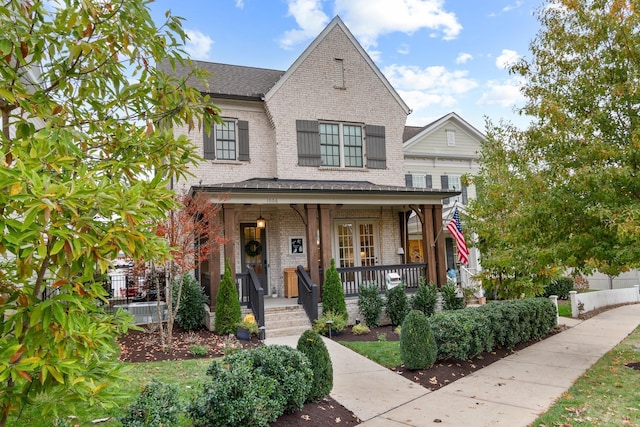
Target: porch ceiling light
261	222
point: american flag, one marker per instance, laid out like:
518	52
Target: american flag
455	228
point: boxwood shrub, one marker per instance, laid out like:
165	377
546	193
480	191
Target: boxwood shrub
418	348
252	387
461	334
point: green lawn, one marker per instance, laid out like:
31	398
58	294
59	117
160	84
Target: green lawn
564	308
185	374
606	395
385	353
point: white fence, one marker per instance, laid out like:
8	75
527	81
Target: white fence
589	301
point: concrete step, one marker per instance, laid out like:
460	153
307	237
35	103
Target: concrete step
284	321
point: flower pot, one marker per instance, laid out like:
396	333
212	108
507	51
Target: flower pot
243	334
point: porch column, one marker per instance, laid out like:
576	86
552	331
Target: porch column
427	241
325	237
440	251
312	237
229	212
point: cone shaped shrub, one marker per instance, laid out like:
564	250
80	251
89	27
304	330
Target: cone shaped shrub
397	305
425	298
332	292
228	312
370	304
191	311
311	345
418	348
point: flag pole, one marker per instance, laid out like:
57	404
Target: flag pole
453	208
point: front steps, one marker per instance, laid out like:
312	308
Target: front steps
284	321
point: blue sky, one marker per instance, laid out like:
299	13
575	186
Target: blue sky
440	55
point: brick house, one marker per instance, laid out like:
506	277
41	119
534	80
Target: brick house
310	162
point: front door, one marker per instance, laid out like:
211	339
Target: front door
254	252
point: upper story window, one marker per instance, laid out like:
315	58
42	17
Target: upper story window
227	141
341	145
418	181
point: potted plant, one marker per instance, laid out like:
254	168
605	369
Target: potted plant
247	327
274	293
330	323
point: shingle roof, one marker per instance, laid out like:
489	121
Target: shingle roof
300	185
228	80
410	132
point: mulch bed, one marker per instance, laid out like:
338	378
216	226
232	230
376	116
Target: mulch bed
145	346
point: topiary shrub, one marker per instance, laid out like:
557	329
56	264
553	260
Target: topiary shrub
418	348
425	298
560	287
450	298
332	292
370	304
461	334
311	345
157	405
228	311
191	312
397	306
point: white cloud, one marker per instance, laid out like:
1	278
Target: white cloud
309	17
240	4
198	45
507	58
516	5
368	19
504	94
418	100
435	79
404	49
463	57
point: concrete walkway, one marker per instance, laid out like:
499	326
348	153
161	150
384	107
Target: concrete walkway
511	392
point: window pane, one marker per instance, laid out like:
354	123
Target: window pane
419	181
226	141
329	144
352	146
454	184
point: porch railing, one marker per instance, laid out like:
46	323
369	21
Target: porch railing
307	293
353	277
256	299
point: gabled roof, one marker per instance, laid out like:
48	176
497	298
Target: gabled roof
439	123
337	22
227	81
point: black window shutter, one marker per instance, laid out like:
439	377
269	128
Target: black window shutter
209	143
464	195
428	181
444	181
376	147
308	143
243	140
408	180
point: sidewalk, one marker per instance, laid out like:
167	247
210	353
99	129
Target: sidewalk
513	391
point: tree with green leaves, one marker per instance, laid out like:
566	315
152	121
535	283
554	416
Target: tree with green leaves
85	171
575	168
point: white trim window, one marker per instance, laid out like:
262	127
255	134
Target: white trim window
226	141
341	145
454	184
451	137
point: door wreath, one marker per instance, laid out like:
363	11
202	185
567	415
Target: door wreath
253	248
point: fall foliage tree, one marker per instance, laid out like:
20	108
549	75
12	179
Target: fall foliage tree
193	232
575	168
84	175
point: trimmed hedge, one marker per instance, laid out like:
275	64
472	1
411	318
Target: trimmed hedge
461	334
464	334
560	287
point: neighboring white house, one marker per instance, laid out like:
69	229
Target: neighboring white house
310	165
436	156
